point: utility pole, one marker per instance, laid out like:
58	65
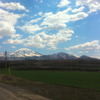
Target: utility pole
6	59
6	63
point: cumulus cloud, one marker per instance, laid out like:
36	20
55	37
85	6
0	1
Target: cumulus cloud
16	36
30	28
48	23
78	16
93	5
42	39
59	20
51	21
83	52
12	6
63	3
34	21
35	41
40	13
7	23
88	46
78	9
6	16
14	41
6	29
13	47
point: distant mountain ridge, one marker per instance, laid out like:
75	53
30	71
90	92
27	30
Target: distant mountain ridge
24	53
58	56
84	57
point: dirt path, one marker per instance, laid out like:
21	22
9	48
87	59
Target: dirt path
11	93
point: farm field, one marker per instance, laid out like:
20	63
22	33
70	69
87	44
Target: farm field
57	85
89	80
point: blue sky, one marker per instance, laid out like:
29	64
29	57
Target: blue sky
51	26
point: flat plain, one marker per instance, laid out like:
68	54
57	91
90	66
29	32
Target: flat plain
89	80
57	85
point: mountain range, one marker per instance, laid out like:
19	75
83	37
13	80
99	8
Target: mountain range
25	53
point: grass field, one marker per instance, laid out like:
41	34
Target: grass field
89	80
62	85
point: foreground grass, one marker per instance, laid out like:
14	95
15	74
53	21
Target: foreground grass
75	79
90	80
54	92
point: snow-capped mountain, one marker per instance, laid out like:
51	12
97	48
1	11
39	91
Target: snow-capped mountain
24	52
58	56
63	55
84	57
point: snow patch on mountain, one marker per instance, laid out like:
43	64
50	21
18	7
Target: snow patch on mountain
24	52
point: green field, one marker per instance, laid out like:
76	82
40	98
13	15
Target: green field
75	79
63	85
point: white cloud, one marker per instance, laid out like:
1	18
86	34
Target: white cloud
78	16
13	47
7	23
6	16
51	22
93	5
13	6
55	21
89	48
93	45
63	3
42	40
78	9
83	52
40	13
48	23
14	41
76	36
35	41
6	29
58	21
30	28
16	36
34	20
